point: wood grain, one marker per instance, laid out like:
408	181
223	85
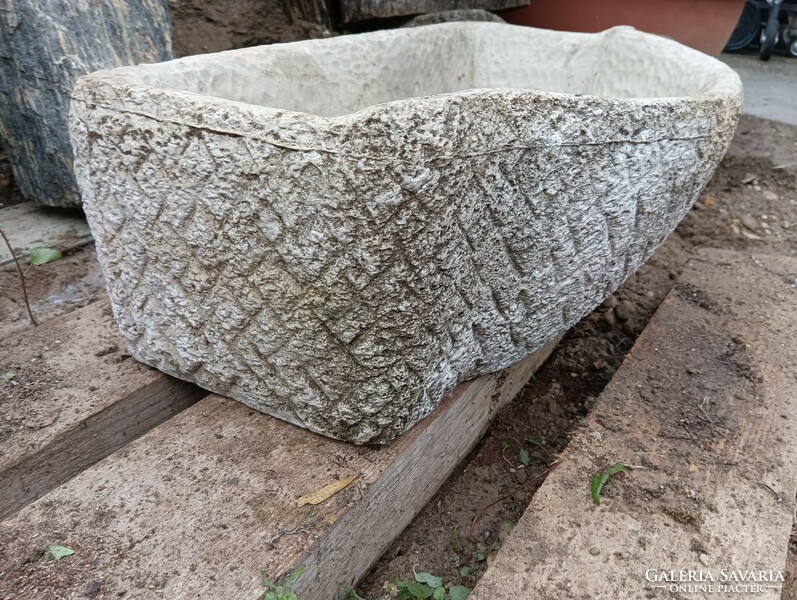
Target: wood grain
69	397
202	504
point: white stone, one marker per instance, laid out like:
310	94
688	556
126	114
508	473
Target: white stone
337	232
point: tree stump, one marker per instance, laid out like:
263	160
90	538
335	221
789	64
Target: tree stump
45	45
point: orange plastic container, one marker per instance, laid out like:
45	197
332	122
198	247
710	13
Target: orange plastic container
702	24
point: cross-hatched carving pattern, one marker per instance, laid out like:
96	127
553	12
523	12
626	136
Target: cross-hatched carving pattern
349	291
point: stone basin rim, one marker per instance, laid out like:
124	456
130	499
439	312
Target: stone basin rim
124	81
271	112
324	131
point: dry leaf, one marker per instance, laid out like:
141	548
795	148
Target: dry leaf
709	201
326	492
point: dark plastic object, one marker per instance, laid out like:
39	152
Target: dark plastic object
770	37
747	28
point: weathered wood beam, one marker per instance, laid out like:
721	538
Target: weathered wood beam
69	397
704	408
202	504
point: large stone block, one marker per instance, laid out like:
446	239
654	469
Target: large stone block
45	45
337	232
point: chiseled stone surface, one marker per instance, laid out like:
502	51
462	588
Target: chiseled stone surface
337	232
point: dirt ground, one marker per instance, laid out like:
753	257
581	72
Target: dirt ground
751	204
201	26
54	289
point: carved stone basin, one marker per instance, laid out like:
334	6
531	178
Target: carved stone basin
337	232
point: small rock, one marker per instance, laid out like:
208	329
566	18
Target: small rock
748	179
709	200
594	551
610	302
92	589
629	306
621	312
757	188
609	318
703	558
750	222
649	294
770	195
600	364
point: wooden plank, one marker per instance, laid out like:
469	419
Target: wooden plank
69	397
706	402
364	10
205	502
28	226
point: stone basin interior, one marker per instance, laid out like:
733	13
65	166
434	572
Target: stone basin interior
337	76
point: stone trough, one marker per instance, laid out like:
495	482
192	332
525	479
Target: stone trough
337	232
